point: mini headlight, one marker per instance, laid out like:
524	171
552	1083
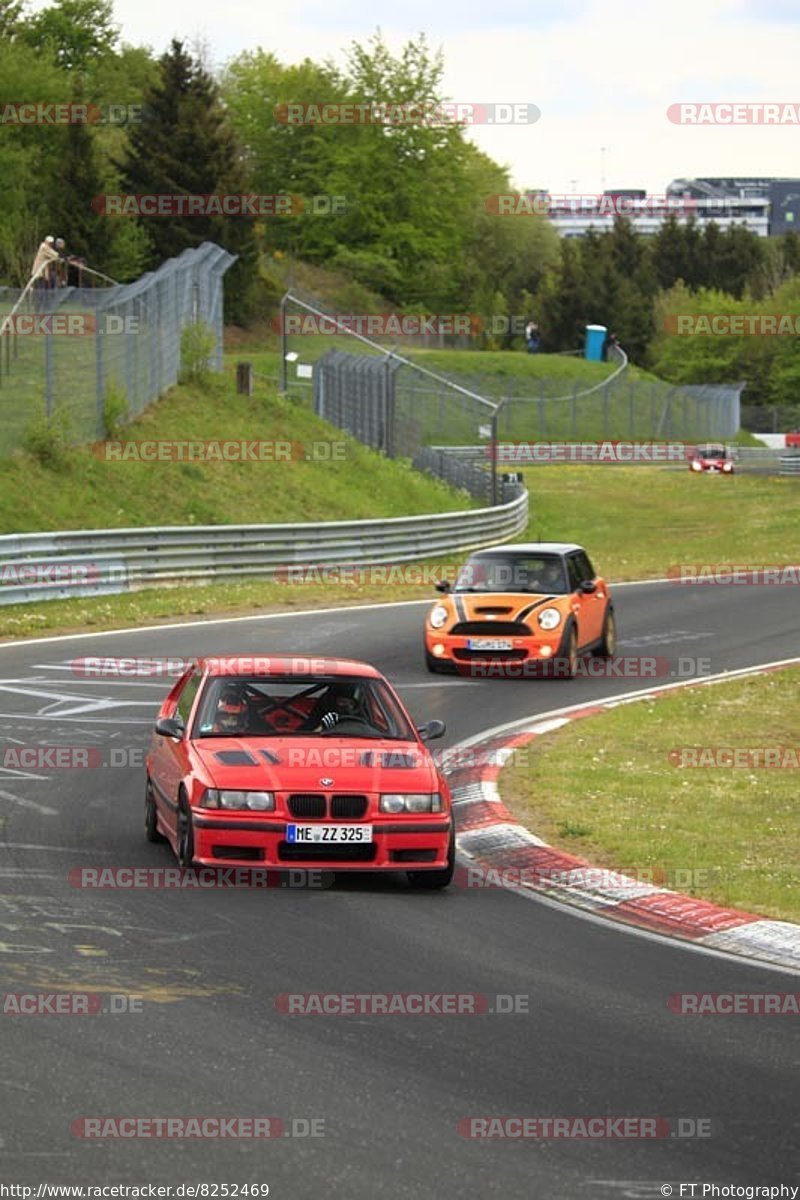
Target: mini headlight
415	802
438	616
549	618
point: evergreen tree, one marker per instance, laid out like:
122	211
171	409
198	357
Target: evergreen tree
741	255
184	146
72	190
669	253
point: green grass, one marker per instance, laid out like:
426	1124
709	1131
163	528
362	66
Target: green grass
636	522
494	365
544	396
70	362
609	789
88	492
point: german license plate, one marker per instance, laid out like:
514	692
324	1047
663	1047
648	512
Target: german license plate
489	644
299	835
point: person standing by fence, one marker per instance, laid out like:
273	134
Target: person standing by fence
44	267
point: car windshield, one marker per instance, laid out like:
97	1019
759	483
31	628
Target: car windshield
303	706
538	573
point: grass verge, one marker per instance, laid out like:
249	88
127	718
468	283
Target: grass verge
636	522
612	790
83	489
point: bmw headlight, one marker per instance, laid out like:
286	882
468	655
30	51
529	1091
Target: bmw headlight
414	802
438	616
255	801
549	618
695	465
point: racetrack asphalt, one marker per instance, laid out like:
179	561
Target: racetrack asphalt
598	1038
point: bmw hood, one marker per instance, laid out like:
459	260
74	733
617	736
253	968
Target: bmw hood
299	764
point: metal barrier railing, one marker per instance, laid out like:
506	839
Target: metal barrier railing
49	566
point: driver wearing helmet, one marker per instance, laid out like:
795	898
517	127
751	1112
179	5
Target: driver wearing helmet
342	701
231	715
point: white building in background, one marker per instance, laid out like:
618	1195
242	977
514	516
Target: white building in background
766	207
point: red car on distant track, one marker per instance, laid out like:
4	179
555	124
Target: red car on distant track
297	763
713	459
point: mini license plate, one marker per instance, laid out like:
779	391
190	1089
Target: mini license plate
489	644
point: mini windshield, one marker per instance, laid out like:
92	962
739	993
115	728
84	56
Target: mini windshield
260	706
536	573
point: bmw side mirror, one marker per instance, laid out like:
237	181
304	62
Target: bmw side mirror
442	585
431	730
171	727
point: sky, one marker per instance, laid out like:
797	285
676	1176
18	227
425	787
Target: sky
603	76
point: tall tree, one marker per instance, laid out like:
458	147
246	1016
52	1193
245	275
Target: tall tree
11	18
71	188
184	146
73	32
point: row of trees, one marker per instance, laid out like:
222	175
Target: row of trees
410	221
637	286
412	224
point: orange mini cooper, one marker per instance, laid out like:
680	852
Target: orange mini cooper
534	607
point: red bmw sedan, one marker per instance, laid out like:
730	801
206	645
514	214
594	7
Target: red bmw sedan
297	763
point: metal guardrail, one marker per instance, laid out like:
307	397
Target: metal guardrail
745	457
51	566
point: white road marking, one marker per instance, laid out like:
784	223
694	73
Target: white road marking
75	704
19	776
23	802
669	636
51	849
57	716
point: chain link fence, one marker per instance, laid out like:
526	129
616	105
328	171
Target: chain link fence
399	406
79	353
771	418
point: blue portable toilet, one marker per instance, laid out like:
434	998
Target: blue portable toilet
595	336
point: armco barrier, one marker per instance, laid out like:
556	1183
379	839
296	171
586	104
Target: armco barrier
52	566
790	465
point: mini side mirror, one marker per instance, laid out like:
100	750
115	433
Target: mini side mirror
442	585
587	587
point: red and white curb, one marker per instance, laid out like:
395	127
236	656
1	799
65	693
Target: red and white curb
499	851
